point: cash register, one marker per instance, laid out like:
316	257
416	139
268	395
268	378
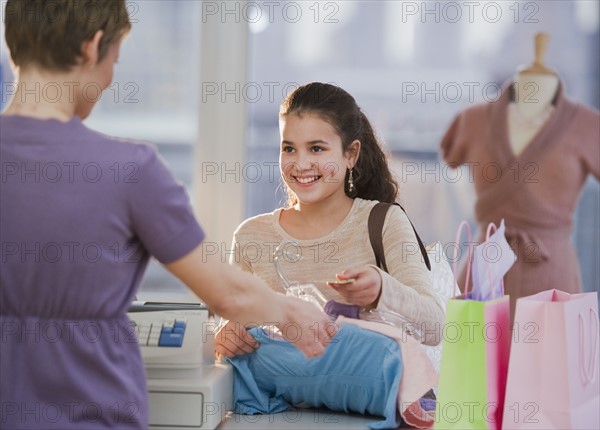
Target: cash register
186	389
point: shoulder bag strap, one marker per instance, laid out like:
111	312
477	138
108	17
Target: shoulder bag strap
375	225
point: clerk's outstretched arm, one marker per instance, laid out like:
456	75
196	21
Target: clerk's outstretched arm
245	299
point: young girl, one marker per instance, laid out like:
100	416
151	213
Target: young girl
334	171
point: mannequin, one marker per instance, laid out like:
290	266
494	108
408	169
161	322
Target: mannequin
532	151
534	91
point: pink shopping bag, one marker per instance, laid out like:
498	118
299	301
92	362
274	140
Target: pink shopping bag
553	378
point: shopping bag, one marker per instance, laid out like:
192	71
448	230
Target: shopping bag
445	287
553	370
475	350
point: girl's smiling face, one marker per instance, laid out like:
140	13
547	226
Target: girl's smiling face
312	162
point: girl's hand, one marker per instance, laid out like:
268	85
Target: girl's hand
233	339
363	287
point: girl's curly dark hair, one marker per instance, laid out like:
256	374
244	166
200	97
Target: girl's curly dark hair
371	174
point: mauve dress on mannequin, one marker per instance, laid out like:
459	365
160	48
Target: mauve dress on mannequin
535	192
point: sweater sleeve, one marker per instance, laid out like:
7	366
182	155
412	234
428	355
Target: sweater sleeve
236	258
407	289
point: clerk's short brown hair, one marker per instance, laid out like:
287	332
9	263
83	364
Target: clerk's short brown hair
50	33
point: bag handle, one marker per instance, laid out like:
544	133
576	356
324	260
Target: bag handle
469	258
375	226
491	229
588	371
491	226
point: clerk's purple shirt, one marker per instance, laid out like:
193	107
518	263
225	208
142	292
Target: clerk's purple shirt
80	215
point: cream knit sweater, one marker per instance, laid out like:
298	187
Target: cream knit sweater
405	290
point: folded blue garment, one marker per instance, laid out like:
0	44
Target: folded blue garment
359	372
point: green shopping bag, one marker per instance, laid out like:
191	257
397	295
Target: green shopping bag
475	351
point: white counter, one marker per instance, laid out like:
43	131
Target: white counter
300	420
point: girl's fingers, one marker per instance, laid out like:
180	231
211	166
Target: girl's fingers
351	273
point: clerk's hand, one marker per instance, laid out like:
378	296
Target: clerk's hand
233	339
304	325
363	290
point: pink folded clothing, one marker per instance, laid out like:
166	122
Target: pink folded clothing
418	378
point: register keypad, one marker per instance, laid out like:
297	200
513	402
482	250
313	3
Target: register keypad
167	333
